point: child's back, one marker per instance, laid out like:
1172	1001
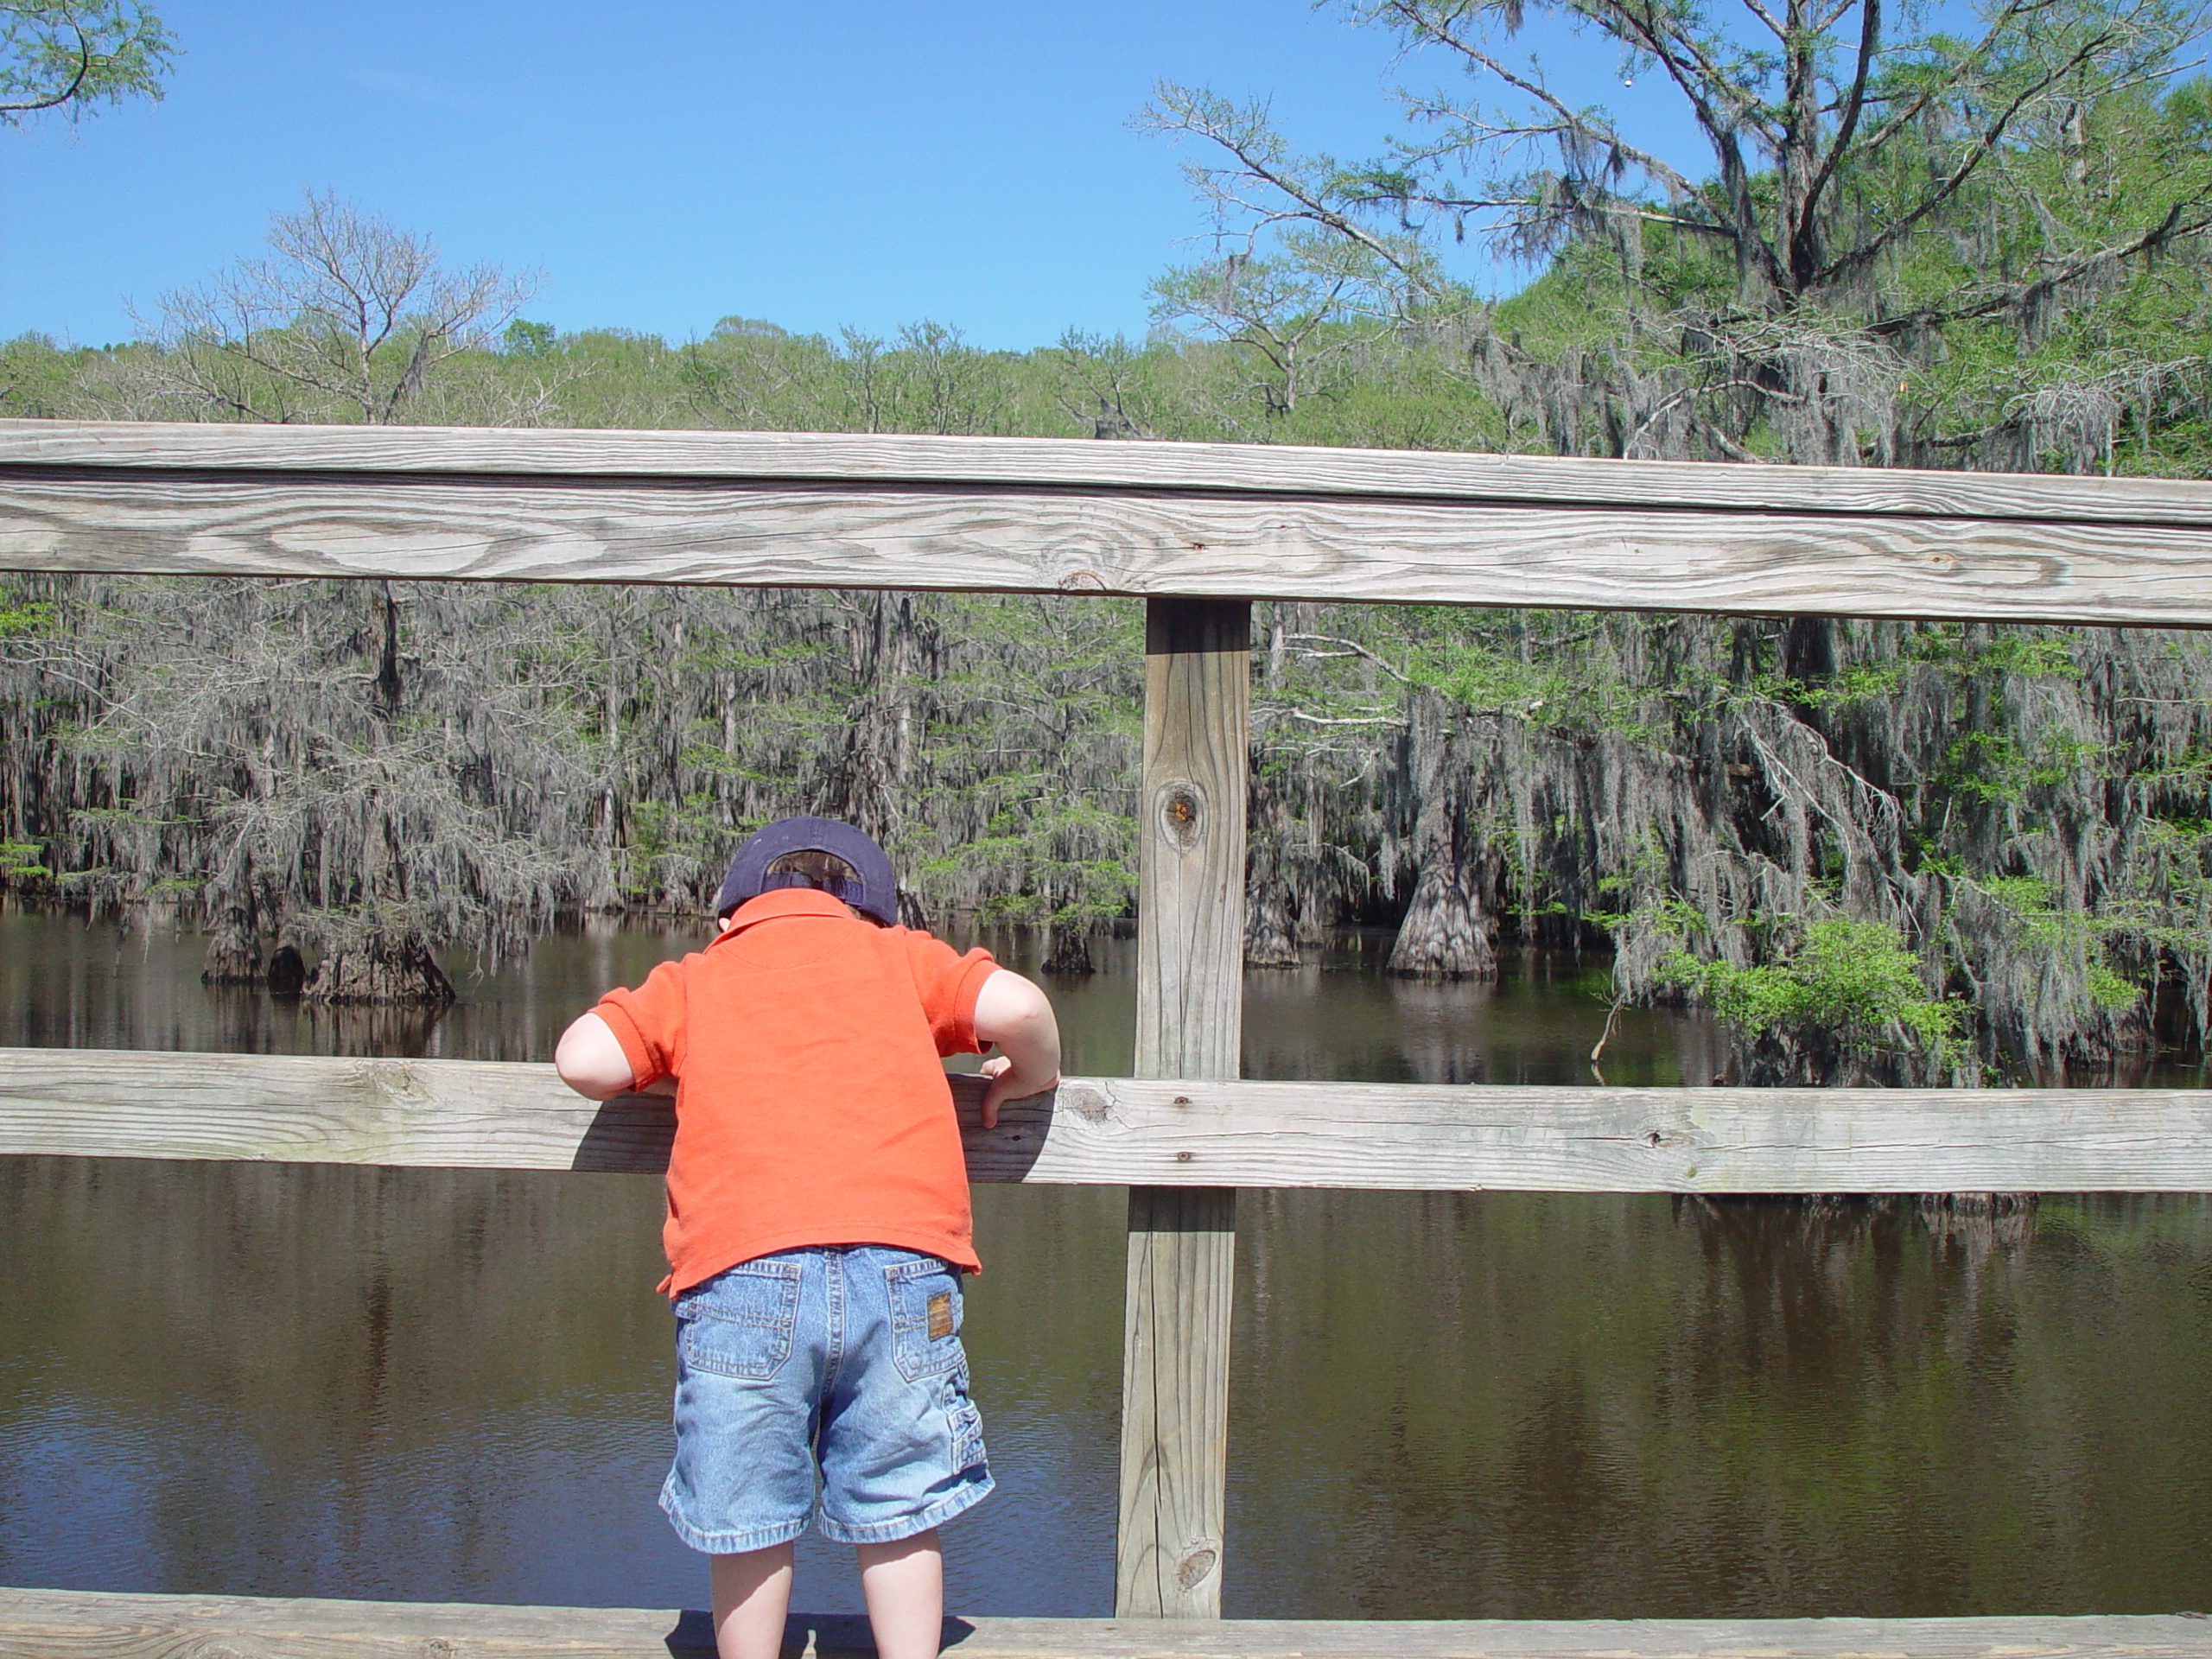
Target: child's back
810	1105
818	1221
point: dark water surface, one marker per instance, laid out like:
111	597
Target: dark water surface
424	1384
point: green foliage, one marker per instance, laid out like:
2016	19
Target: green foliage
23	618
21	860
1994	766
1858	981
73	54
525	338
2082	940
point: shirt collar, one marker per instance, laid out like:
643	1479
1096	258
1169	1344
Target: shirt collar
780	901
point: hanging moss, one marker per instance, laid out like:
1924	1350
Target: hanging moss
2025	811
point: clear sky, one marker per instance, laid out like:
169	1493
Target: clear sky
815	165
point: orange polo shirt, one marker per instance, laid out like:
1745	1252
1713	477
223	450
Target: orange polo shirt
810	1108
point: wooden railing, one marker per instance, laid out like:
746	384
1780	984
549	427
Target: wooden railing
90	1103
1038	515
1198	531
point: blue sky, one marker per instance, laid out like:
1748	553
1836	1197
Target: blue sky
817	166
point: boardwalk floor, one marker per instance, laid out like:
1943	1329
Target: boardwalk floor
79	1624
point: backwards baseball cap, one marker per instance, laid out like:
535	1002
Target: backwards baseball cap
776	857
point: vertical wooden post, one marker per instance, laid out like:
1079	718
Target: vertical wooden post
1190	1020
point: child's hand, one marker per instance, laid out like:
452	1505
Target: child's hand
1008	1083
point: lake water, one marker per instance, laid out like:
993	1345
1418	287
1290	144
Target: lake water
424	1384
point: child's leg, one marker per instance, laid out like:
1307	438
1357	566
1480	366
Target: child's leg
903	1583
751	1592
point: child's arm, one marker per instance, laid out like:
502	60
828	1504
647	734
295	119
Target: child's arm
591	1062
1016	1017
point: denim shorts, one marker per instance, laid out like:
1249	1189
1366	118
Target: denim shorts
837	1368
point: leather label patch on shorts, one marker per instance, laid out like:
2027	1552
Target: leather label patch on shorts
940	1316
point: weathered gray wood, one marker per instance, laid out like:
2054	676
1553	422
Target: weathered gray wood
1182	1248
79	1624
2146	558
1197	667
1065	463
1116	1131
1175	1328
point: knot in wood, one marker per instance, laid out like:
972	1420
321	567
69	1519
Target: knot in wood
1182	816
1194	1566
1083	582
1089	1104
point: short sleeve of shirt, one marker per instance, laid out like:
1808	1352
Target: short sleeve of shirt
949	983
649	1023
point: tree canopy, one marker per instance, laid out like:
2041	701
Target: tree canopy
1903	245
72	55
347	317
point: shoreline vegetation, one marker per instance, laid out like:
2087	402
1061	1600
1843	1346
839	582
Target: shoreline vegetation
1882	852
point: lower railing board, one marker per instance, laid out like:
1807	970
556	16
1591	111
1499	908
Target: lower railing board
84	1624
462	1114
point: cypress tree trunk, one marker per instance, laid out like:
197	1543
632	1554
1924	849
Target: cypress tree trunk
384	967
1447	930
1270	929
233	953
1067	952
1270	911
1446	934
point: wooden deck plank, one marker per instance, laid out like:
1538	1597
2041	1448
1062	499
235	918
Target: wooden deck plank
1234	523
1115	1131
82	1624
1085	464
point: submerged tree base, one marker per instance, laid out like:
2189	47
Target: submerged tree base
1976	1224
233	953
1445	935
380	968
1270	935
1067	952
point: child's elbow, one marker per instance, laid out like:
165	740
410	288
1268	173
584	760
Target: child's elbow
1012	1012
591	1062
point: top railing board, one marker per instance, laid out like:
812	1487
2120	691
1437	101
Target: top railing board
1048	515
1085	464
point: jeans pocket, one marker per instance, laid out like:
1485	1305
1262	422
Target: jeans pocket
924	1296
966	1435
740	1322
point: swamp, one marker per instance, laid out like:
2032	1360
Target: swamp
425	1384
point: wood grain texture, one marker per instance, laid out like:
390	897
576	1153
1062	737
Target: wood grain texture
1182	1242
1197	667
1063	463
1101	540
1175	1330
298	1109
1121	1131
83	1624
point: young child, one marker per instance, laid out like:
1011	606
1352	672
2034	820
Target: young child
817	1222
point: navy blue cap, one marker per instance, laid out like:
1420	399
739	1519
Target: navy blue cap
874	891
